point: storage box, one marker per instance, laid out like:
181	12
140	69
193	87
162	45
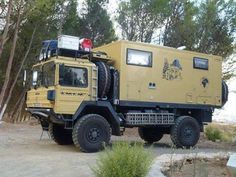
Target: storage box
68	42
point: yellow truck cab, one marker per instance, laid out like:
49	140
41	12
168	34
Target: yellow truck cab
83	95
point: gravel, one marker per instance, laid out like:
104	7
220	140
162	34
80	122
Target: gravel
22	153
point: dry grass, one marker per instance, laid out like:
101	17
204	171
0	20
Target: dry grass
222	133
198	167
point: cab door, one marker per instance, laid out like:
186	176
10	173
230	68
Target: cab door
72	89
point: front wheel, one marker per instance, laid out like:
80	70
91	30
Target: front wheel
185	132
91	132
60	135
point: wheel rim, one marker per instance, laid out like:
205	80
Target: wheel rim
93	135
188	134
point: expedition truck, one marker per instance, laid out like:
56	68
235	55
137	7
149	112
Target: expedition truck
85	95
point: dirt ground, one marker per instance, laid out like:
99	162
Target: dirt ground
23	154
199	168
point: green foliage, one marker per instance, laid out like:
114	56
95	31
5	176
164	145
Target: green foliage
228	76
96	23
72	20
124	160
213	133
226	133
208	28
180	29
216	23
44	15
139	19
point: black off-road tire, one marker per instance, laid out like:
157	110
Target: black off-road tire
225	93
60	135
185	132
91	132
104	79
150	134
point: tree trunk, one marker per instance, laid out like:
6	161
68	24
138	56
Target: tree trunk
19	110
10	61
6	29
18	73
13	111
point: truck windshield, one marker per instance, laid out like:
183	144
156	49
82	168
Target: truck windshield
44	75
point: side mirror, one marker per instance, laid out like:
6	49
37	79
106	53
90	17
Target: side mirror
35	77
24	78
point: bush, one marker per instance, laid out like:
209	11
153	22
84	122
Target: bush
124	160
213	133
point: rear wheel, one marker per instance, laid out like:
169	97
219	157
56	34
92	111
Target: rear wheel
60	135
150	134
185	132
91	133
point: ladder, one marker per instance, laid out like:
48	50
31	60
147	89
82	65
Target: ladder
94	83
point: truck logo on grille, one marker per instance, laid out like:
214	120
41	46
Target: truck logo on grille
72	94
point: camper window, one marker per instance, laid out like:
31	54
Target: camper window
200	63
138	57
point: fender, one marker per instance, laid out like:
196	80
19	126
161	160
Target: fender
103	108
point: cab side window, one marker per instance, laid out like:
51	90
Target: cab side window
73	77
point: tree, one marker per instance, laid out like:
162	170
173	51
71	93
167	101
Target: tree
96	23
217	27
12	53
3	37
26	16
139	19
18	72
71	20
180	27
208	28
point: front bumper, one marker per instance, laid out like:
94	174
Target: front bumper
44	114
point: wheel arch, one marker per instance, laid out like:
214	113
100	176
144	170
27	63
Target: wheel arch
102	108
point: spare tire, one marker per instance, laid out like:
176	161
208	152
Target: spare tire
225	93
104	79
